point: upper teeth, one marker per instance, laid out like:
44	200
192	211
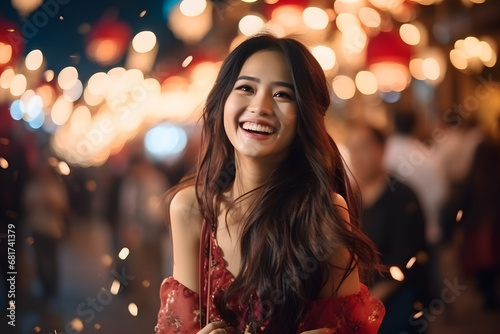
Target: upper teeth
257	127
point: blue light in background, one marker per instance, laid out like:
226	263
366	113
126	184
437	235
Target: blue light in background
34	107
17	110
37	122
167	6
165	141
391	97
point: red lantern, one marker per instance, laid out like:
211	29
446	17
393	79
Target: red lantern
388	47
270	5
107	41
11	43
388	58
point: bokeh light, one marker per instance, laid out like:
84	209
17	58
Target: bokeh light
123	254
74	93
61	111
250	24
68	77
18	85
5	53
192	7
369	17
473	53
133	309
63	168
325	56
4	163
80	119
17	110
431	69
366	82
396	273
343	87
165	141
315	18
144	41
34	60
409	34
6	78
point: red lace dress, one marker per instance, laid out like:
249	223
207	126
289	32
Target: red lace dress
180	311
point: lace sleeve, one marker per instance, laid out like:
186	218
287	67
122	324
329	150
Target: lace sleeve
179	311
358	313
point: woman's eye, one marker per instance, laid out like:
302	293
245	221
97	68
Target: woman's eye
245	88
283	95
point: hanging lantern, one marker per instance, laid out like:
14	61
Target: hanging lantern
107	41
11	43
270	6
388	57
285	16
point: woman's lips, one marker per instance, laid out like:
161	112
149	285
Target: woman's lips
257	130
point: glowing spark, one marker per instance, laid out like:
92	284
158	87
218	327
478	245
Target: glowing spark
411	262
187	61
63	168
124	253
459	215
4	163
133	309
397	274
115	287
77	324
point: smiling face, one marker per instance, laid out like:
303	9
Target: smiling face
260	113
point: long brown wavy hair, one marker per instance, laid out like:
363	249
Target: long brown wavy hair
293	226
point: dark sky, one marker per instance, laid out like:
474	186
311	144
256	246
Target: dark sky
60	41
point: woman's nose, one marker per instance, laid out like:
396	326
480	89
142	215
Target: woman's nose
261	103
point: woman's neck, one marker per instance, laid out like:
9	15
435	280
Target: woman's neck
251	173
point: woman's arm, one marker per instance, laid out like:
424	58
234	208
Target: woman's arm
186	221
344	306
341	262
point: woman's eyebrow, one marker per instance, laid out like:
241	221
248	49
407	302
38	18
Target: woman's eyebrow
277	83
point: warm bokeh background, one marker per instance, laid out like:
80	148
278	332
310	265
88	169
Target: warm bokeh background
99	110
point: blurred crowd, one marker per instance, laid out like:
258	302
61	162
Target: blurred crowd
424	196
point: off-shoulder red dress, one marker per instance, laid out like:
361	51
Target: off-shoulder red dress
180	307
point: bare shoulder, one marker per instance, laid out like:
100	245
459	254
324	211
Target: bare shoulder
184	208
343	209
340	203
186	220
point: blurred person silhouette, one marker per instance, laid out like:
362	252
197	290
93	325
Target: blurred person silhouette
455	151
141	221
45	202
480	221
413	163
393	219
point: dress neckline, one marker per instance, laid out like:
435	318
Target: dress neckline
218	251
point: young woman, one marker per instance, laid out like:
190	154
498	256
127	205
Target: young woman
265	234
